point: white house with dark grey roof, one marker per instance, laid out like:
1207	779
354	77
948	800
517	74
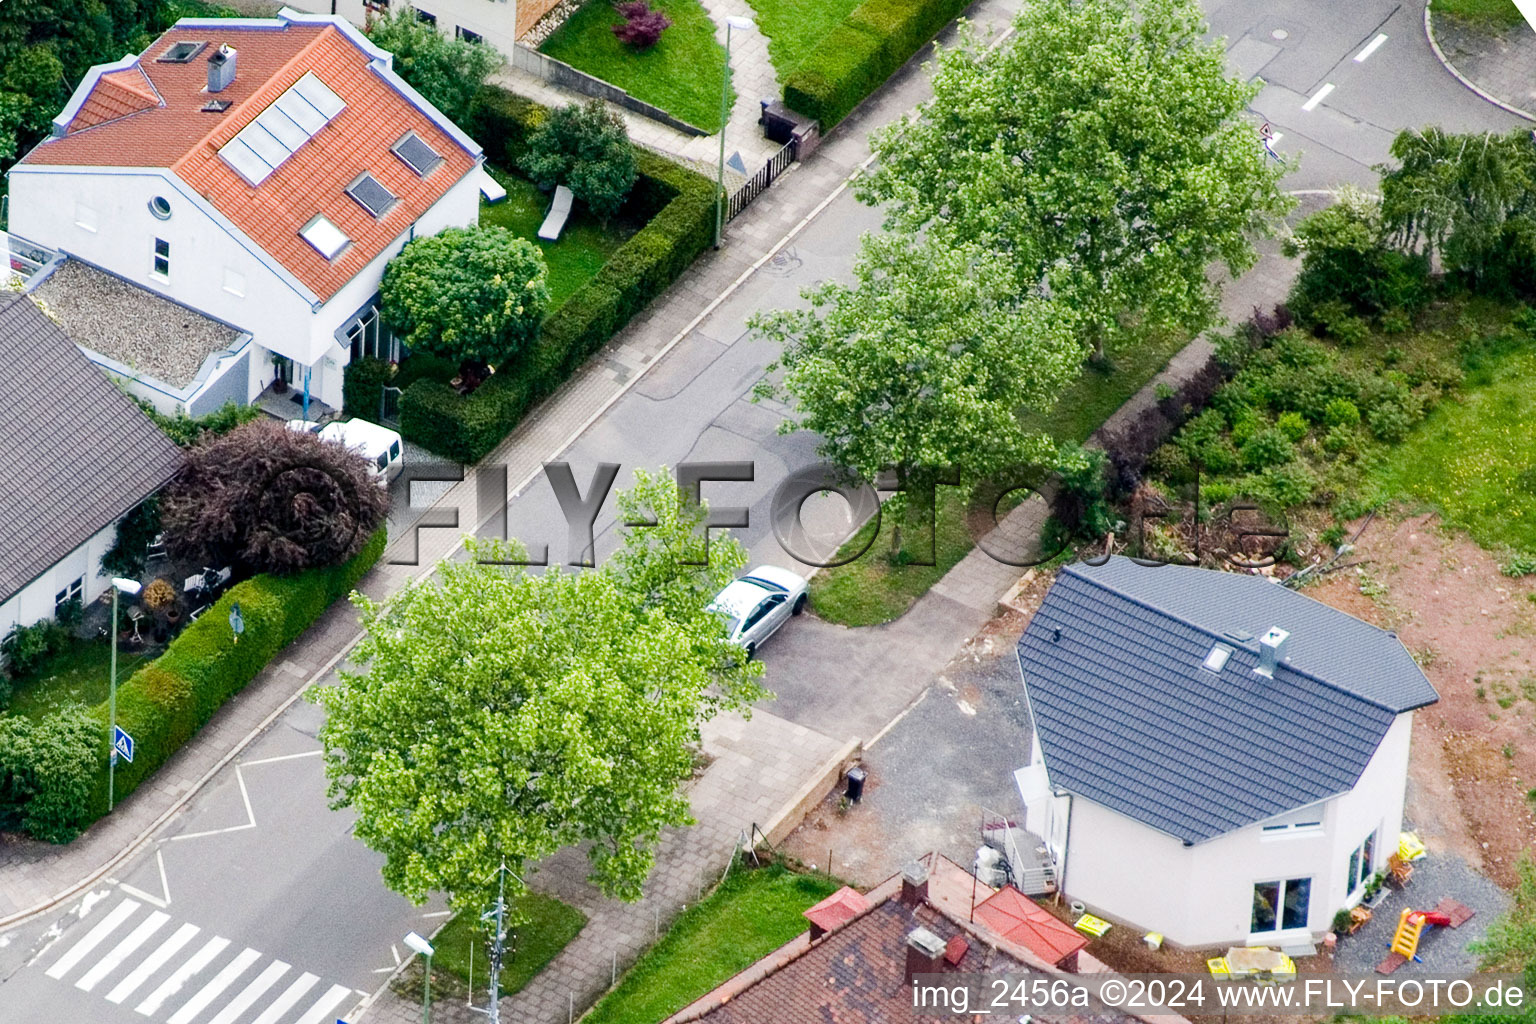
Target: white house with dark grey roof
79	455
1215	757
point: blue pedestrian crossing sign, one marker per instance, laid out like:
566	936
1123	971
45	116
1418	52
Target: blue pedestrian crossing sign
122	744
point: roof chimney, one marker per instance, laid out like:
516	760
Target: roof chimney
914	884
1271	646
925	953
221	68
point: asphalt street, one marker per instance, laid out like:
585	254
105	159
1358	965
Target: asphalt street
280	913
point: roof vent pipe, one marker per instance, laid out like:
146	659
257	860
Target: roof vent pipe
1271	648
221	68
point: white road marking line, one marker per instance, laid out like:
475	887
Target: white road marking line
252	992
324	1005
282	757
1318	97
93	938
1370	48
152	963
437	913
211	991
113	960
170	986
284	1002
162	901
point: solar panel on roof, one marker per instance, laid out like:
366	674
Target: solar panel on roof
319	96
326	237
371	194
417	155
281	129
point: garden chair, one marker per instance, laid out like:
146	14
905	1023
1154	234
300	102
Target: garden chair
559	212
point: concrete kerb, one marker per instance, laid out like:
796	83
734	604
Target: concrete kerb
1445	62
784	821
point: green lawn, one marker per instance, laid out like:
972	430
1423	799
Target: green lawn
1472	458
1495	15
749	916
550	926
584	246
76	674
794	27
871	589
682	74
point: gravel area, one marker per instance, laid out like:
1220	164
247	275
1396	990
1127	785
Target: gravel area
122	321
1442	950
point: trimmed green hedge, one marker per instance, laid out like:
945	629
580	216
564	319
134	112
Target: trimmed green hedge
857	57
166	702
678	207
361	386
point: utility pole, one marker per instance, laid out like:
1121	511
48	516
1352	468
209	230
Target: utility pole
497	917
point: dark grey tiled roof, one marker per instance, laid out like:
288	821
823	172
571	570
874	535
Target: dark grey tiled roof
1129	719
78	452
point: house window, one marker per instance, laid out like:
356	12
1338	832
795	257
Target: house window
234	282
466	35
71	593
85	217
1281	905
1362	861
162	258
425	18
368	338
160	208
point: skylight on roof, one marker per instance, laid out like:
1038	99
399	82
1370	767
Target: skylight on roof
418	156
371	194
281	130
181	53
1217	659
326	237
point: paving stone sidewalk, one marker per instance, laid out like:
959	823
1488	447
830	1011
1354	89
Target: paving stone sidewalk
1498	63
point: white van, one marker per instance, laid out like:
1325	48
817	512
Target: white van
380	445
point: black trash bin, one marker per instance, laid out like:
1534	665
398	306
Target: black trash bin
856	777
778	121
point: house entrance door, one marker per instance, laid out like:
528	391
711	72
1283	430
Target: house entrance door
1280	906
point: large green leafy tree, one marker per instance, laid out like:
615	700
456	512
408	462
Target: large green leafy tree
448	72
585	147
500	715
472	294
1102	149
1468	199
923	363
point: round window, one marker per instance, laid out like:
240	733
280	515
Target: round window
160	207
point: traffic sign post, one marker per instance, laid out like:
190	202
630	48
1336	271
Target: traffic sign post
122	744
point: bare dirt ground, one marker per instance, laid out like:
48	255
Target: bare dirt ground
1473	631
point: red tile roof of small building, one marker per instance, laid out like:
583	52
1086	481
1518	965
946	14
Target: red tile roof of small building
1017	918
839	908
176	133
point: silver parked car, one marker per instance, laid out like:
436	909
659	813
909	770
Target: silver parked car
759	603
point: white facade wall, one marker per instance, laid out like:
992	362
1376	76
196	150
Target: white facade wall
1202	895
35	601
489	19
102	215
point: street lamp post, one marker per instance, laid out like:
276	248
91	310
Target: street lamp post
422	946
734	21
132	588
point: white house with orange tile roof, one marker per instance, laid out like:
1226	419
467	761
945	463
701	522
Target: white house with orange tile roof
260	173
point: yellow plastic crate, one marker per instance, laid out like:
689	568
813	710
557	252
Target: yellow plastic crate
1219	968
1409	847
1090	925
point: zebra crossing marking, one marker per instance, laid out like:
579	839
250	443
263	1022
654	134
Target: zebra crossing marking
211	991
252	992
109	963
66	963
152	963
170	986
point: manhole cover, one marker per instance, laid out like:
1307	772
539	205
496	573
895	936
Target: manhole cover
1279	33
783	263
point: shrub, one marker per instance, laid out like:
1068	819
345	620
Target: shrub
158	595
131	543
187	431
1522	563
859	54
269	499
642	26
1267	447
1341	440
584	146
362	384
476	295
27	647
502	122
1394	415
1341	412
1081	506
46	772
1293	425
447	71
